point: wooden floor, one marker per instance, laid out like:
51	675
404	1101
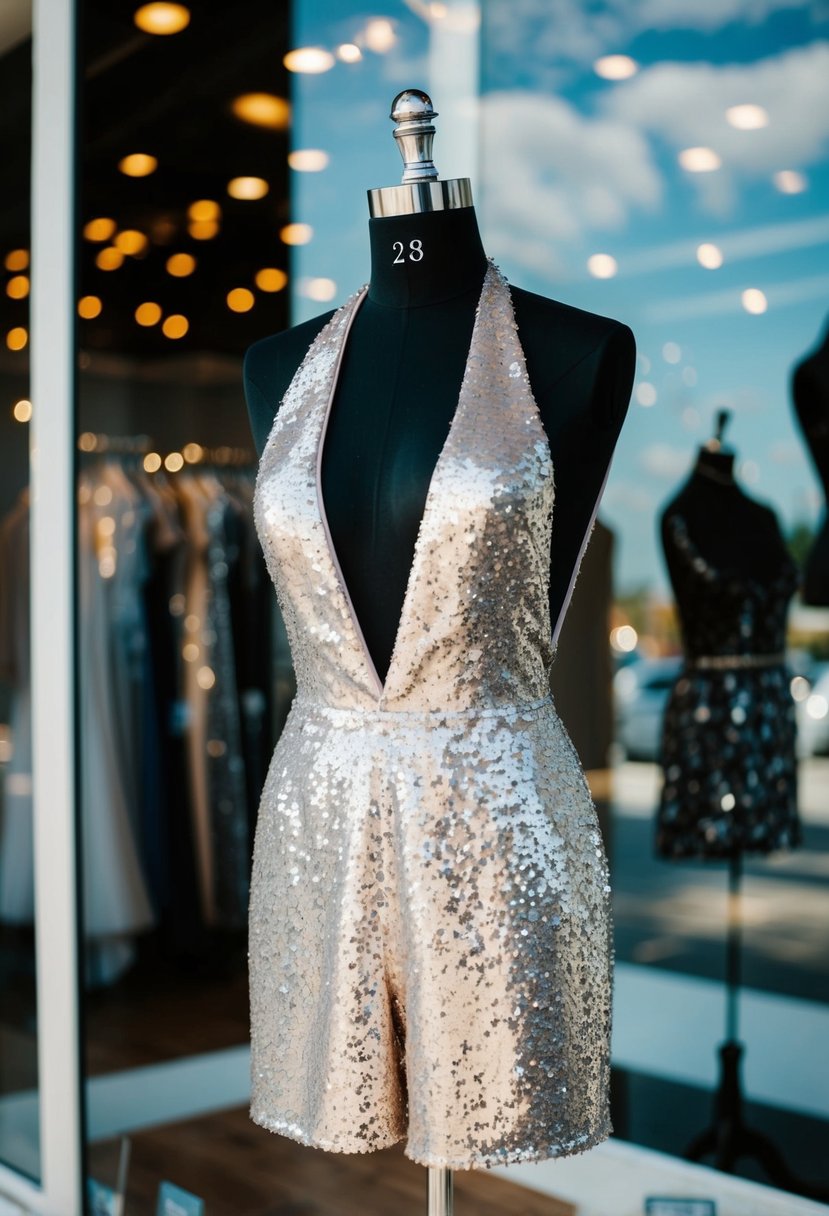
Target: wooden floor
240	1169
150	1017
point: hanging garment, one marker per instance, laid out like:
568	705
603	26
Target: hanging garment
729	732
116	903
216	764
224	757
429	923
251	597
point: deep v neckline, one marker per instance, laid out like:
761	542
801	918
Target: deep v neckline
382	686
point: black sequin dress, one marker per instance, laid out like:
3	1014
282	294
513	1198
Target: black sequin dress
728	741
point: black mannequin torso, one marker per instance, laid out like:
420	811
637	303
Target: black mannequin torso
398	389
732	531
810	391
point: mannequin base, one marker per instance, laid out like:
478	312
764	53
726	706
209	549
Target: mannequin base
729	1139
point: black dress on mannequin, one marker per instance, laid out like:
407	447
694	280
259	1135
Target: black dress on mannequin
728	745
810	392
397	392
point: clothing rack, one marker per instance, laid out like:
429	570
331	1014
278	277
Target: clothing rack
100	443
97	443
173	570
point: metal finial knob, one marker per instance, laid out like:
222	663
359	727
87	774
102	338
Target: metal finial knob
723	419
413	112
421	190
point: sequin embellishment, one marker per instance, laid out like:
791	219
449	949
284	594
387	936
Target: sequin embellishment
430	937
729	734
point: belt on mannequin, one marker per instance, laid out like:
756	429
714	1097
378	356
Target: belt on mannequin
733	662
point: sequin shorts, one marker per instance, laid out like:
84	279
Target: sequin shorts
430	940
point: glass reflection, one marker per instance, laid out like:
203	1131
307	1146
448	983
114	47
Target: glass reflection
671	172
19	1133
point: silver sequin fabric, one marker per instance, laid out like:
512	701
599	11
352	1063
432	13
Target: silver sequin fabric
430	937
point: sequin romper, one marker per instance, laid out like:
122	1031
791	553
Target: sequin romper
430	950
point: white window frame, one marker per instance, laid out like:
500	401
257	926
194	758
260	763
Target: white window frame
51	454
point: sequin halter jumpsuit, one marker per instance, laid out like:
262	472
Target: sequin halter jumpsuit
430	945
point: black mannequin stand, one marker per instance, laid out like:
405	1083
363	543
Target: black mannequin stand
440	1192
728	1139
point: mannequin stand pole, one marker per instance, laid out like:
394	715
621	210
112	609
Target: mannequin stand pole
728	1139
440	1192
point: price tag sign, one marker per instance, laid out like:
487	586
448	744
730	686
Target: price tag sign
680	1207
101	1200
173	1201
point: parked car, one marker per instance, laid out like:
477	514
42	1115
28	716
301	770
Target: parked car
641	690
813	714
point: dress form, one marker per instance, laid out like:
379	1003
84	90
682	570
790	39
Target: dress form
751	544
728	741
728	737
397	393
399	387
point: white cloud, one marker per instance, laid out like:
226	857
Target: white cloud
665	461
759	241
684	104
542	35
729	300
627	496
703	14
549	173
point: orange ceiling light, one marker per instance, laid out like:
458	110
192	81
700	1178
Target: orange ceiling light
100	229
175	326
131	241
109	258
263	110
240	299
17	259
138	164
89	307
296	234
203	230
17	287
162	18
249	188
270	278
148	313
179	265
17	338
308	160
204	209
309	59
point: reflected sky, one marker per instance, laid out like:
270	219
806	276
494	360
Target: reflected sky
590	183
